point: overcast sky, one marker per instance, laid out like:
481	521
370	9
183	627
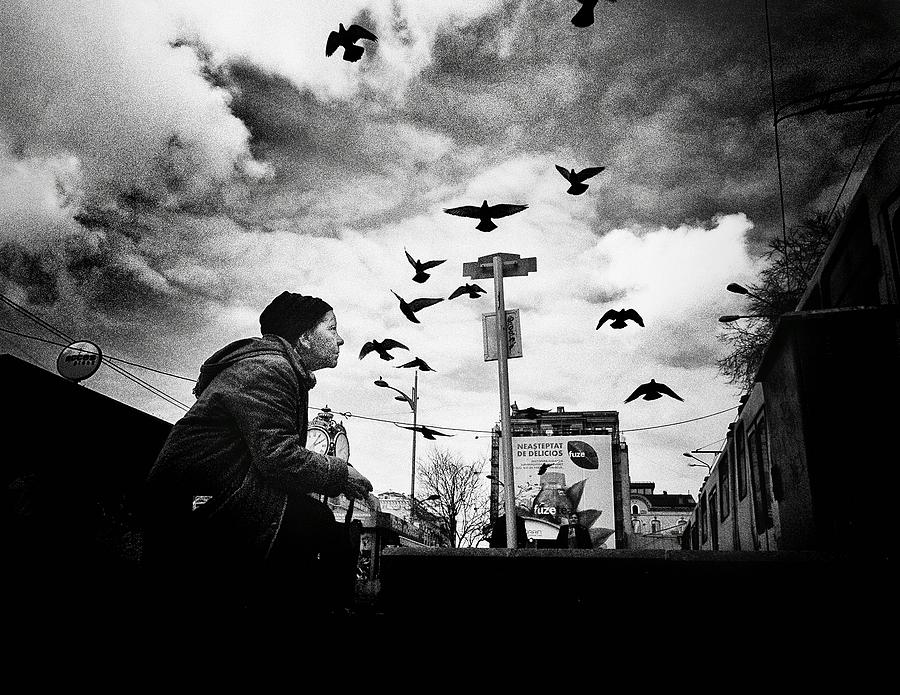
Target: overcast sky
214	157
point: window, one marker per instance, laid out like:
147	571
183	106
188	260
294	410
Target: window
703	530
637	526
739	463
758	449
634	509
713	521
724	482
655	526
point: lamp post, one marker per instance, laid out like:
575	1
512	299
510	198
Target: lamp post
740	289
729	318
413	403
702	463
498	266
414	503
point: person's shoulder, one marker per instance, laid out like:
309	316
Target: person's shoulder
263	363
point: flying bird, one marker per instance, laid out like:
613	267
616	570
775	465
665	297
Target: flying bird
543	468
485	213
381	348
620	317
474	291
421	267
426	432
348	38
409	309
585	15
418	362
577	178
653	390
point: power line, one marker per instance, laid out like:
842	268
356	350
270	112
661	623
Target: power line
346	414
105	356
775	121
124	372
859	151
682	422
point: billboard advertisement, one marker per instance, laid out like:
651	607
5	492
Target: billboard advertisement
562	479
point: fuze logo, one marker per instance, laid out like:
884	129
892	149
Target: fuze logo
582	455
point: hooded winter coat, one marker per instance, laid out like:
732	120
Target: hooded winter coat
220	485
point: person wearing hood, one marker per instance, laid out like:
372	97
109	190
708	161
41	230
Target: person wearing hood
232	508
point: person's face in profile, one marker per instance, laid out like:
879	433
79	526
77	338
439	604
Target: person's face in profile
321	345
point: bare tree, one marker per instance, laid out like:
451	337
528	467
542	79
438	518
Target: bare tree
462	502
789	268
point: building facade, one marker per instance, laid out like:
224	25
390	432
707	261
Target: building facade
822	400
423	528
658	520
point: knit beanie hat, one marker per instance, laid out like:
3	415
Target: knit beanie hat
291	314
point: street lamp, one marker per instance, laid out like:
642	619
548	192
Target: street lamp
740	289
728	318
413	403
702	463
414	504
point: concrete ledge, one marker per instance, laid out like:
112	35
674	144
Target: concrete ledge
612	584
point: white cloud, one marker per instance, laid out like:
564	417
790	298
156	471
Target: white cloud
100	82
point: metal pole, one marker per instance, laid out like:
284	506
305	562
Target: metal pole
415	409
505	432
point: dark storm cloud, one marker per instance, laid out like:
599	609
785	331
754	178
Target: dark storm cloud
34	272
674	98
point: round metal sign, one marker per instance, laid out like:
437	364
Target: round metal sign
79	360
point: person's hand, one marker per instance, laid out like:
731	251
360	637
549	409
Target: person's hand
358	485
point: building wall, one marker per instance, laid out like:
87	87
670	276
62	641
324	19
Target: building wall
425	528
668	518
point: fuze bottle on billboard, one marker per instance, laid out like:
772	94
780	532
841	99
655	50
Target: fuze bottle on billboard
552	503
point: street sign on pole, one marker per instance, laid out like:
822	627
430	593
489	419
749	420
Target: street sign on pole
498	266
513	265
513	335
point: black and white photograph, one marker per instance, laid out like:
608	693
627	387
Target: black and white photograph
302	303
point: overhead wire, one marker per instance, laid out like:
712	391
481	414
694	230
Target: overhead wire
105	356
681	422
120	370
346	414
775	121
862	145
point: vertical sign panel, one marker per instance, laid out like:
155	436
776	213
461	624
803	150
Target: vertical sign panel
558	476
513	334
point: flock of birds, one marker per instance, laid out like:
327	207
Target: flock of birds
346	38
485	214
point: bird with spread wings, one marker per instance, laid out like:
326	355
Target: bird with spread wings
381	347
485	214
620	317
426	432
577	179
409	309
651	391
474	291
418	362
348	38
421	267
